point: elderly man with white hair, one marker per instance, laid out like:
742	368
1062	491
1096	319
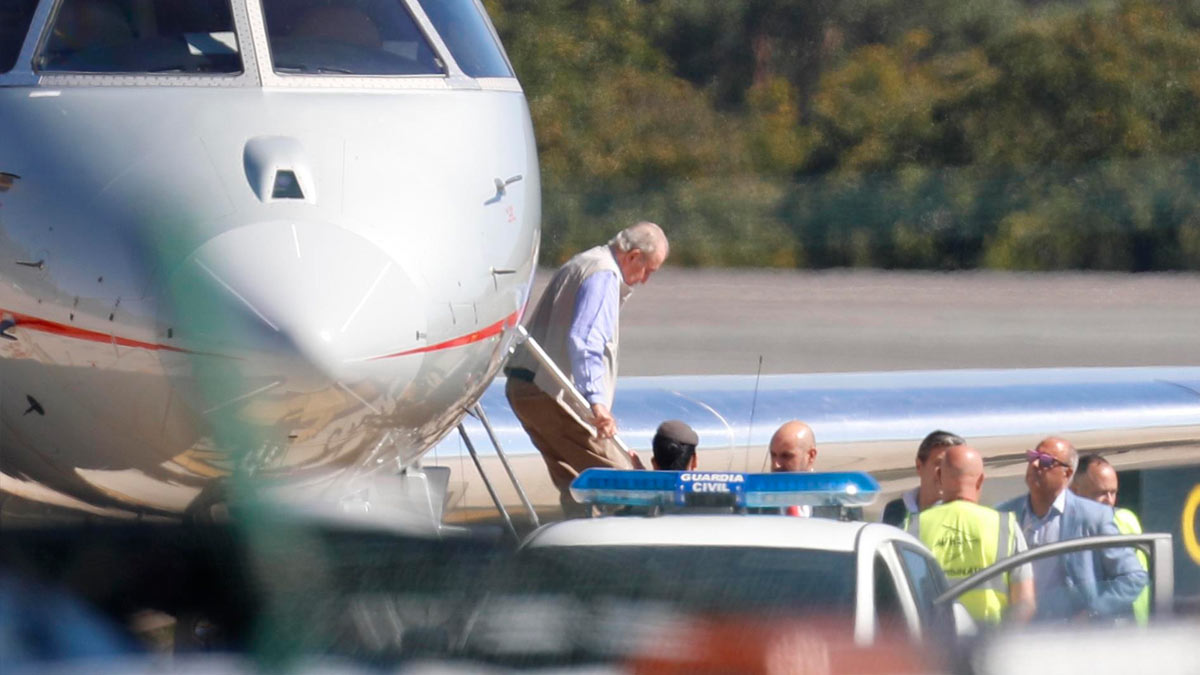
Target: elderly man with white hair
576	322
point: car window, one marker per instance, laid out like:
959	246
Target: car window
1115	558
889	615
135	36
926	581
15	16
347	37
466	33
726	579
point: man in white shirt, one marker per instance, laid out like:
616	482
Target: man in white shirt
793	448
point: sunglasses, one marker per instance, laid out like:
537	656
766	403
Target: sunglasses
1043	460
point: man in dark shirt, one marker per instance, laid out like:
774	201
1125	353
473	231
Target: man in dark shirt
925	495
674	447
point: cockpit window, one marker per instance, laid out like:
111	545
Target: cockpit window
347	37
465	31
15	16
142	36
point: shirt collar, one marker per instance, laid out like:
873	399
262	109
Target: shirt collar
1060	502
624	290
1057	507
910	500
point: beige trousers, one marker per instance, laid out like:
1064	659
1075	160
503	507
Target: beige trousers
565	444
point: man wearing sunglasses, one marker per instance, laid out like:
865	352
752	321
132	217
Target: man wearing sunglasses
1100	585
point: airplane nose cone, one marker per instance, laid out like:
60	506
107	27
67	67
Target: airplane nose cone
304	292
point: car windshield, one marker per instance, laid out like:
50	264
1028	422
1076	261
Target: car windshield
131	36
559	604
706	579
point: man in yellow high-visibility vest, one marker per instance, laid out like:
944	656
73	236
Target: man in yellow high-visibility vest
1096	479
966	537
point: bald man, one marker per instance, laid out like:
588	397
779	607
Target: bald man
966	537
793	448
1096	480
1100	585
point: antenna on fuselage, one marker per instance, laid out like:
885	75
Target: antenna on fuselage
753	408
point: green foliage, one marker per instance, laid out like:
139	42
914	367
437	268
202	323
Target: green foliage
1090	87
889	133
605	105
778	144
711	221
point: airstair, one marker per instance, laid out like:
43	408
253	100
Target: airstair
568	396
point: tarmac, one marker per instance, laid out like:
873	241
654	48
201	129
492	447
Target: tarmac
690	321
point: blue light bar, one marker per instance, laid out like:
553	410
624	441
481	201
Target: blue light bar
752	490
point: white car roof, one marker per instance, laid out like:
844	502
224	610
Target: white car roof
704	530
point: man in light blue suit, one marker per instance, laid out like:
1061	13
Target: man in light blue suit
1099	585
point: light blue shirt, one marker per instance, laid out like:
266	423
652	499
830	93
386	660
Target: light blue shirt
1048	572
596	306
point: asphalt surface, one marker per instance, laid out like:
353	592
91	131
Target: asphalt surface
721	321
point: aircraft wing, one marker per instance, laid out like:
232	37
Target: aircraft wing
1138	417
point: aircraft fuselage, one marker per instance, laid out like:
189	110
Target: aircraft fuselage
306	281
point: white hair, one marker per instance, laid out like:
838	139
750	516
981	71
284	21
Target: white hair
644	236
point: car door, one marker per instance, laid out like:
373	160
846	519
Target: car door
926	581
1157	546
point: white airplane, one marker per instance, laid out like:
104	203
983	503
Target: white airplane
289	238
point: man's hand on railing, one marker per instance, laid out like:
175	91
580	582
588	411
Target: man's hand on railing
606	425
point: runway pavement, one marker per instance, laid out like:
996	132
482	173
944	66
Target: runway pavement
721	321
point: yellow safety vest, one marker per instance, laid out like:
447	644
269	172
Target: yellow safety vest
1127	523
966	537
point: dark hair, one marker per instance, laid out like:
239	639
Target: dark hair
1086	461
937	439
671	455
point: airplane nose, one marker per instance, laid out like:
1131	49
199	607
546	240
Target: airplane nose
310	292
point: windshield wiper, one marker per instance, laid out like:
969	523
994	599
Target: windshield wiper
321	70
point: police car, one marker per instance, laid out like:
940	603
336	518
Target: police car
874	575
602	586
599	585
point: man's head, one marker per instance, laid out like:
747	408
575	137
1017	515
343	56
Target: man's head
674	447
960	474
793	448
1096	479
1051	465
929	455
640	250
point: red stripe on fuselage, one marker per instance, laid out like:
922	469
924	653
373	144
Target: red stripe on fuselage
28	322
54	328
481	334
